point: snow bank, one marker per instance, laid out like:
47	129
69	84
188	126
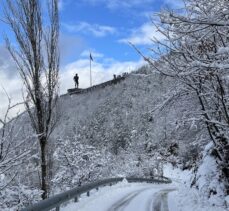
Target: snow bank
208	179
177	174
197	198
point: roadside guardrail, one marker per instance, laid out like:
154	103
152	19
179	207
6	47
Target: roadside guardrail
55	201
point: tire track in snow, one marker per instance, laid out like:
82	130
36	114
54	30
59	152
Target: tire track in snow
121	204
160	200
146	199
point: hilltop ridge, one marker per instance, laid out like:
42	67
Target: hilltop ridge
115	80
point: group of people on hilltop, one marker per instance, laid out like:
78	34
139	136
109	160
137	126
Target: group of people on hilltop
76	78
120	76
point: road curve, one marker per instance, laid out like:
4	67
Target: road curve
146	199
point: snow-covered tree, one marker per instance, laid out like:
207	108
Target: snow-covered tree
77	163
195	51
9	158
13	194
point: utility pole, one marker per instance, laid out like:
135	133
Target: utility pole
91	59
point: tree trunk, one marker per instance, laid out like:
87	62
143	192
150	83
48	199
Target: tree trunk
43	168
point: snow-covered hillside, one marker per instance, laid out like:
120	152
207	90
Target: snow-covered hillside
131	128
139	123
144	110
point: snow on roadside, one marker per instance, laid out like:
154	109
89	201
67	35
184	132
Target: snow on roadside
177	174
208	179
227	200
182	198
187	198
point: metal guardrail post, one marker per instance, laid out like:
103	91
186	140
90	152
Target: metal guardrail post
76	199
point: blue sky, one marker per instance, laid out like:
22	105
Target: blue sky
102	27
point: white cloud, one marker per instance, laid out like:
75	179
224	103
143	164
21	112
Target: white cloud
86	28
116	4
10	81
101	72
103	69
60	4
143	35
13	87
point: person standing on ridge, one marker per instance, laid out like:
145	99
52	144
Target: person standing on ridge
76	79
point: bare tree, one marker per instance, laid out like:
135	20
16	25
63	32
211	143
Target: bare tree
8	145
37	59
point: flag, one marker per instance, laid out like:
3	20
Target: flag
91	57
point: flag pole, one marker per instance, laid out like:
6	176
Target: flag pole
90	71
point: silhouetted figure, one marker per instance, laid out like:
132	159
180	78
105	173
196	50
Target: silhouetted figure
76	79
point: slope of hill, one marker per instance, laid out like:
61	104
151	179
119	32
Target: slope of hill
134	126
145	109
139	122
129	128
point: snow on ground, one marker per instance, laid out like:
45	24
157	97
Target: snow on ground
122	196
144	197
186	198
125	196
208	178
189	199
177	175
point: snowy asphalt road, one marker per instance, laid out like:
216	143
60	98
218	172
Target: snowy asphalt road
126	197
160	202
146	200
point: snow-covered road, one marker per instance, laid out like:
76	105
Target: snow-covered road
147	199
160	202
126	197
